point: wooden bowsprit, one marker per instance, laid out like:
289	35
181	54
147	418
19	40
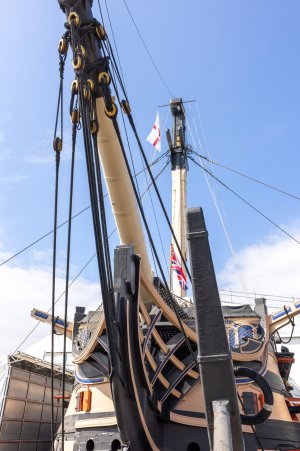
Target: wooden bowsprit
214	358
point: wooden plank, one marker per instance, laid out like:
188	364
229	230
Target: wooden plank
160	377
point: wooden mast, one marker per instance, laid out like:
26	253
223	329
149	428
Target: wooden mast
92	67
179	169
123	202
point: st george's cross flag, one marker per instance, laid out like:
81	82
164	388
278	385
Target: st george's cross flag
154	135
176	266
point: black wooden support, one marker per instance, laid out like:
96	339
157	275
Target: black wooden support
214	356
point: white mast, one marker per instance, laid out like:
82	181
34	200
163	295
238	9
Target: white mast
179	170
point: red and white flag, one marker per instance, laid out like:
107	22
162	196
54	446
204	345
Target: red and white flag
154	136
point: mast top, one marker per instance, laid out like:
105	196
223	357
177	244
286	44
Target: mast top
177	144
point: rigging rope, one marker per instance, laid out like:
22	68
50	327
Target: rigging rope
125	128
261	294
220	215
144	158
57	146
100	234
115	44
267	185
61	295
248	302
245	201
175	307
155	178
152	163
43	236
103	215
131	121
153	209
292	322
147	50
147	166
74	131
74	216
57	161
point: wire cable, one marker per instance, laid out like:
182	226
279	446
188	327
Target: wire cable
131	121
116	71
115	44
155	217
57	160
74	130
43	236
57	145
267	185
251	301
155	178
73	217
292	322
147	50
246	202
143	158
217	202
62	294
175	307
217	207
262	294
150	165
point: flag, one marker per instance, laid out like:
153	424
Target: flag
154	135
176	266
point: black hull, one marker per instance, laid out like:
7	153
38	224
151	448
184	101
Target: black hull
141	424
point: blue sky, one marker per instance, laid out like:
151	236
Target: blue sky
239	60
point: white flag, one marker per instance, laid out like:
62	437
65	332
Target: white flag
154	136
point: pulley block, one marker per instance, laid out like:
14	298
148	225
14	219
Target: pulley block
75	116
77	62
74	86
125	107
86	93
91	84
104	78
112	112
94	126
57	144
101	33
63	46
74	18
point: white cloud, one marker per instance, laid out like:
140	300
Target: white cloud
23	288
13	178
269	267
5	153
42	152
3	254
